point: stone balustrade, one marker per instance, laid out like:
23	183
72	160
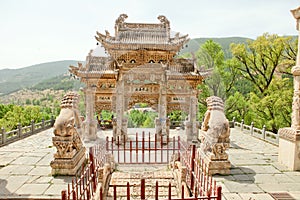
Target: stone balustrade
262	134
24	131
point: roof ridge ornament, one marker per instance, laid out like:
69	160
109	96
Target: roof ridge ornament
163	19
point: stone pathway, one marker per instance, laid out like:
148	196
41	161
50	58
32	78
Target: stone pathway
25	170
255	171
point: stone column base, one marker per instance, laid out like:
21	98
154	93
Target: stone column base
188	130
215	166
69	167
289	148
90	130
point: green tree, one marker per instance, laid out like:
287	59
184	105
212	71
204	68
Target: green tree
136	118
177	115
274	109
202	106
17	114
260	59
150	120
237	106
27	101
4	109
211	56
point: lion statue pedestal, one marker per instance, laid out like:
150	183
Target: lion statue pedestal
70	153
214	137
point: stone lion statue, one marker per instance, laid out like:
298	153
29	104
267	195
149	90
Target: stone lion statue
69	117
215	131
67	127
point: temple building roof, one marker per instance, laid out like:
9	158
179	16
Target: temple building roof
138	47
133	36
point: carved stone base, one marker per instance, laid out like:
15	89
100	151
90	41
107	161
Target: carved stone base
63	166
162	128
289	148
188	130
216	166
191	130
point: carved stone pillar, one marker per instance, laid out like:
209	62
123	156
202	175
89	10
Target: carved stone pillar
90	122
191	125
161	121
120	129
289	138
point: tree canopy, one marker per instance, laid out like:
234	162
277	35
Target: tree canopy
12	115
256	83
261	58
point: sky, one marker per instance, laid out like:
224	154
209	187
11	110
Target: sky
38	31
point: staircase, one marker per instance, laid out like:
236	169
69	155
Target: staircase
154	176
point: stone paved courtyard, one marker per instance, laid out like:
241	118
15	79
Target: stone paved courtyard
25	170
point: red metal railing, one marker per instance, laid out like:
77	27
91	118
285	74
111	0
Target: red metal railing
144	194
84	186
144	149
159	150
198	180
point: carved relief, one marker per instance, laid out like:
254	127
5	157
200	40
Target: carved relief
289	134
140	67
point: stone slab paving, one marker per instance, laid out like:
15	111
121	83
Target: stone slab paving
255	170
25	170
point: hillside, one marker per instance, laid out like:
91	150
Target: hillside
194	44
15	79
60	82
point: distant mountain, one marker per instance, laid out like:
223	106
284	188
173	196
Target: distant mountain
15	79
60	82
194	44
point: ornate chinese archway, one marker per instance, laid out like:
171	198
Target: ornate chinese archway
141	67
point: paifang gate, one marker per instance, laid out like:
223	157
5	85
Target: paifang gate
140	66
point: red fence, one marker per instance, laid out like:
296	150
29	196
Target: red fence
84	186
198	180
143	193
147	150
144	149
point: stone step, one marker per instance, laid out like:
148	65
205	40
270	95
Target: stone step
163	177
146	175
135	191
